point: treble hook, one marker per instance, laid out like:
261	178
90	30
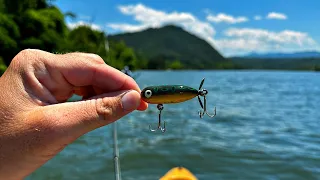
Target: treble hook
163	129
204	92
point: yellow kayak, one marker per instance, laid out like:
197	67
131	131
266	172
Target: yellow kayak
178	173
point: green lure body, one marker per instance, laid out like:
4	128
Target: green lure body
167	94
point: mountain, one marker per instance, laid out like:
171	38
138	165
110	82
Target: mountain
170	43
305	54
277	64
307	60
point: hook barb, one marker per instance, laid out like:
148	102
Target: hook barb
204	92
201	113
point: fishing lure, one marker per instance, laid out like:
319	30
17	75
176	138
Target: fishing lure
168	94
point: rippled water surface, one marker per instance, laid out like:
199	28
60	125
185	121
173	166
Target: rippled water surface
267	127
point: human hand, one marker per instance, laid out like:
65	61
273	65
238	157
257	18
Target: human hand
36	122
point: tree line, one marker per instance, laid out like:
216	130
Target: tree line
38	24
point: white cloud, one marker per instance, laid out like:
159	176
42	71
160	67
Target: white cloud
259	40
221	17
275	15
239	46
148	17
231	42
286	36
127	27
83	23
257	18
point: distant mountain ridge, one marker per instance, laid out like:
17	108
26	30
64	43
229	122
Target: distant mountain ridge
170	43
308	60
303	54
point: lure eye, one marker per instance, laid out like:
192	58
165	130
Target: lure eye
148	93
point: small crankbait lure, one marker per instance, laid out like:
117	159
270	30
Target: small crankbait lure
168	94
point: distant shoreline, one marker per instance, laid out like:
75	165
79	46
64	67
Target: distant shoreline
203	70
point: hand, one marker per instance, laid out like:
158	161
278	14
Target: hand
36	122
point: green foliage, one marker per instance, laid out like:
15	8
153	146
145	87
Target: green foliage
142	62
9	33
17	7
3	67
316	68
84	39
35	23
120	55
30	24
8	26
228	65
2	7
40	25
175	65
6	42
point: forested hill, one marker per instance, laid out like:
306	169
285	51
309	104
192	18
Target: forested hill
39	24
171	44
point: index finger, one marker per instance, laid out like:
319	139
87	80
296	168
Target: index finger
81	69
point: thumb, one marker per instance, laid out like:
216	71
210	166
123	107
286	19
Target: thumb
78	118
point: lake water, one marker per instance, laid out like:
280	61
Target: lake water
267	127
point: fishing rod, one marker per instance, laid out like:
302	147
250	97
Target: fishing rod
116	157
116	160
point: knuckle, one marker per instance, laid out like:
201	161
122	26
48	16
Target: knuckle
18	62
29	53
86	57
28	56
96	58
106	108
26	53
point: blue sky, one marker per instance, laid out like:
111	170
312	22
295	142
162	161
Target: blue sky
233	27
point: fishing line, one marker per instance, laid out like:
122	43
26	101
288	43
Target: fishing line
116	159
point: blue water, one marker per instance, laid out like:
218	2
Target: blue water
267	127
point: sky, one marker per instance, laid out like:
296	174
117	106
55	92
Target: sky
233	27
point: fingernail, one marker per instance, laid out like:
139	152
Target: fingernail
130	101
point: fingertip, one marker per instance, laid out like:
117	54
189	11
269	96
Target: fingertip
143	106
131	100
